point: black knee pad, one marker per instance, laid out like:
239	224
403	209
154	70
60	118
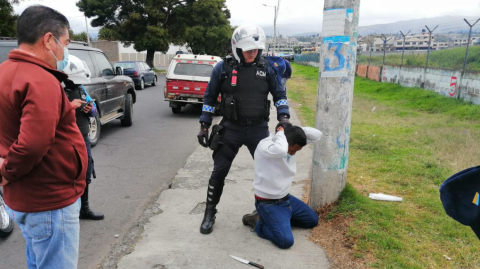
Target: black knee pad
214	191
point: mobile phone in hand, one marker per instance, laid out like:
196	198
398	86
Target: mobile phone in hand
90	102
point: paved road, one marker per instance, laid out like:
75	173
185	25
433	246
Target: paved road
134	164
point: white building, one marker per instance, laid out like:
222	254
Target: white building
419	42
463	41
414	42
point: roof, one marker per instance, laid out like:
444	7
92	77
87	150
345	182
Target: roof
8	43
78	46
197	57
73	45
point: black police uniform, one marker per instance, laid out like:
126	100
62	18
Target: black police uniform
245	108
83	122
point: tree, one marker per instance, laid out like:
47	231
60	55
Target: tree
82	36
297	49
108	34
207	31
153	24
8	19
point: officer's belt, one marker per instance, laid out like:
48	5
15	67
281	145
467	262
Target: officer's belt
247	122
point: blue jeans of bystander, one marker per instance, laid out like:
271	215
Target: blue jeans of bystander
277	219
51	237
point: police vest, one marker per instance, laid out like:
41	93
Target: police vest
83	120
248	87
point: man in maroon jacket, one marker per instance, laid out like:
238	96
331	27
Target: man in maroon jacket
43	158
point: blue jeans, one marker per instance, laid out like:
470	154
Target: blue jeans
277	219
51	237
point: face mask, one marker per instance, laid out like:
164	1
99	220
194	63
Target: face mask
63	63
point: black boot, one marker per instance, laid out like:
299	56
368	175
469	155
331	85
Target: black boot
208	219
85	211
214	192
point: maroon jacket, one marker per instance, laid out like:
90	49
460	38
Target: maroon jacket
45	154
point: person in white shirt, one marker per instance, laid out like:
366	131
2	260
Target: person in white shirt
275	168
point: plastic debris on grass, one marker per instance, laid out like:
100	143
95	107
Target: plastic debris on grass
384	197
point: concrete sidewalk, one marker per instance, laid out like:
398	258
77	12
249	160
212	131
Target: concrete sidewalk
172	240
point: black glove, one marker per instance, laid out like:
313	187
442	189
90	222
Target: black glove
283	122
203	135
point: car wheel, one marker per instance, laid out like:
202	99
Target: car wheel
154	83
177	109
6	223
128	111
95	127
142	84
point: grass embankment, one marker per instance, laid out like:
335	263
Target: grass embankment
404	142
449	58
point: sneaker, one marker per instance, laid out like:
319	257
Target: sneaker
251	219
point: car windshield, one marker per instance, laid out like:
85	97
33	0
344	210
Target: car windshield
191	69
126	65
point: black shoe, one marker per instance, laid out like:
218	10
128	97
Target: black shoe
208	219
87	213
251	219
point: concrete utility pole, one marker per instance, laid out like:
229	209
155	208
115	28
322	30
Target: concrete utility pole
276	17
334	97
88	35
468	43
384	38
429	45
274	25
403	50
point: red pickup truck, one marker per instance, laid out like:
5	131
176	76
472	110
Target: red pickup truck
187	79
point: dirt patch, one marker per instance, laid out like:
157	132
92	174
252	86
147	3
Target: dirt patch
331	235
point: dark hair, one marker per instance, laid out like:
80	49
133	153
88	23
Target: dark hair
38	20
295	135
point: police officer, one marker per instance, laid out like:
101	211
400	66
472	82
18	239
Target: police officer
244	82
78	74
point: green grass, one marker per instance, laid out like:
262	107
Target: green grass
449	58
160	71
407	146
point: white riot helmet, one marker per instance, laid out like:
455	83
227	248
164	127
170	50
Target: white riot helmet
245	38
77	71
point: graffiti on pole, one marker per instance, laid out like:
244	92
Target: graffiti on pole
337	60
340	158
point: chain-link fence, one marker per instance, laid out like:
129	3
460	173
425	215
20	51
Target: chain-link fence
448	58
310	57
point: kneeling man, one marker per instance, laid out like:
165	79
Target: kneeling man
275	168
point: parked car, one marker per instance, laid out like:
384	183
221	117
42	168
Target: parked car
187	79
6	223
140	72
113	92
5	47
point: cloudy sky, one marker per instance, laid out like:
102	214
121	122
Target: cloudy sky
306	15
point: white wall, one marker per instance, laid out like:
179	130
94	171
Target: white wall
171	50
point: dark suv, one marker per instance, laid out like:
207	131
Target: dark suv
113	92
